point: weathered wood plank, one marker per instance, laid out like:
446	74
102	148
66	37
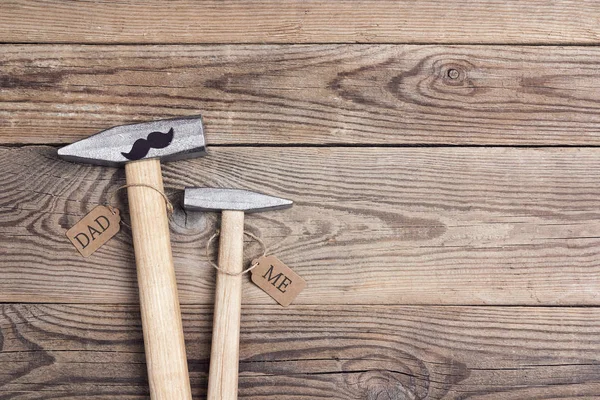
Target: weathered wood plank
334	352
300	21
326	94
369	225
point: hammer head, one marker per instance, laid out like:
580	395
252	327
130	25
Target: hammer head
169	139
216	199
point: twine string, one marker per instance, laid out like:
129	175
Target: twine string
169	206
223	270
111	198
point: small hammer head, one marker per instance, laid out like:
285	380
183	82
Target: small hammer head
169	140
216	199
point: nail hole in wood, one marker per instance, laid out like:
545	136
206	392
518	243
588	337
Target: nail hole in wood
453	73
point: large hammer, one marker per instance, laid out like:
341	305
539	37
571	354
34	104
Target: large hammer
141	147
224	353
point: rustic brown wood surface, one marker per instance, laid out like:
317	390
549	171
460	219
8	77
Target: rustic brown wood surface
369	225
313	94
444	160
319	352
301	21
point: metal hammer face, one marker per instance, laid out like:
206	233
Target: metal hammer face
216	199
168	140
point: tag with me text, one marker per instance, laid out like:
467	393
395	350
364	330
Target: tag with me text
95	229
277	279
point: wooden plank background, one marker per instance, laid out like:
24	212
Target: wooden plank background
369	226
342	352
444	162
309	94
301	21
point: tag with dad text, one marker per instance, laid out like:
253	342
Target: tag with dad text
95	229
277	279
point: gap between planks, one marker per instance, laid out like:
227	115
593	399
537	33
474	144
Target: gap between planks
349	145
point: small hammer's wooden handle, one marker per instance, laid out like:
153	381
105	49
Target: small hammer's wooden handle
224	355
159	303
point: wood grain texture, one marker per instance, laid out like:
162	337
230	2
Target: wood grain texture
300	21
225	345
325	352
369	225
309	94
159	302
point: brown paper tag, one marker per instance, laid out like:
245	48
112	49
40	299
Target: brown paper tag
95	229
277	279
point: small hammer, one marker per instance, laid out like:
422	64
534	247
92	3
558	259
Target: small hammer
224	354
141	147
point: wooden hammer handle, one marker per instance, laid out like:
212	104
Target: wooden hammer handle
161	317
224	355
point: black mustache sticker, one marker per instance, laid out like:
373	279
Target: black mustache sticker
155	140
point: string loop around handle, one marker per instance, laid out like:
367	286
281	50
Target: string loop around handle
167	201
111	198
245	271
